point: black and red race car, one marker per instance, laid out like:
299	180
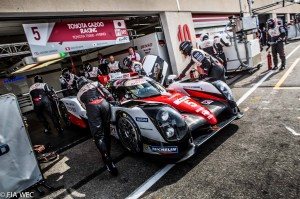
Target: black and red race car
170	123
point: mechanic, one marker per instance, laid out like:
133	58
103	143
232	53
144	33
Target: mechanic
133	56
91	72
103	64
42	96
207	66
93	97
286	32
113	65
134	66
68	82
276	36
219	43
207	45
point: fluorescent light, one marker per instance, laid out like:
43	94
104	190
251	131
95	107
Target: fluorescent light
141	24
47	58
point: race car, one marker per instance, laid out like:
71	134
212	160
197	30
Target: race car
157	121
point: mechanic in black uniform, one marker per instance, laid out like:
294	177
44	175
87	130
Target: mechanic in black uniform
219	43
68	82
210	66
93	96
276	36
103	64
285	25
91	72
41	96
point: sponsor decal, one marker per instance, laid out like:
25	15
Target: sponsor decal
207	102
146	129
180	100
141	119
164	149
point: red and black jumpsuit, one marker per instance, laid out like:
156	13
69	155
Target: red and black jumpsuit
41	94
210	66
94	97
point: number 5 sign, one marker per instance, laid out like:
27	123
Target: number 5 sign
38	34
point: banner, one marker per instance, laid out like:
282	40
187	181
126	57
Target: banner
53	38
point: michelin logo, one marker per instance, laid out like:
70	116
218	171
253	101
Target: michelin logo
141	119
164	149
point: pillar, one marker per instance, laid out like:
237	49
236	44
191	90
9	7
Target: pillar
170	22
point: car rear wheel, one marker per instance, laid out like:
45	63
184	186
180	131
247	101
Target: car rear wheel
65	114
129	133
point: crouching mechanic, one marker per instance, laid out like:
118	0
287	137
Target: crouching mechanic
209	66
276	36
68	82
41	96
93	97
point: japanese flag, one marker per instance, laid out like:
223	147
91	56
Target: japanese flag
119	24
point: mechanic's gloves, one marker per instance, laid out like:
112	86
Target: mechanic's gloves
202	76
110	98
279	40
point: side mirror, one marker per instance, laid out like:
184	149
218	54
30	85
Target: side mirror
171	78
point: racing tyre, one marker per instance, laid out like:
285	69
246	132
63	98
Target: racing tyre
129	133
65	114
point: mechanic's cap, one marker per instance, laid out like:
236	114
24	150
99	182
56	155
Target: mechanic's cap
127	61
38	79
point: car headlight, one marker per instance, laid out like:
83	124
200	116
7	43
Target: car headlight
163	115
168	121
224	89
170	132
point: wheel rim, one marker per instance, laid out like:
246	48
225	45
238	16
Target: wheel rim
128	134
65	114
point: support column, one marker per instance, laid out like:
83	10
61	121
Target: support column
170	22
288	17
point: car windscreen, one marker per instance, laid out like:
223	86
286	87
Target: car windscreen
145	89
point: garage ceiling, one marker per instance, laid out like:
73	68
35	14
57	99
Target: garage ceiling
11	30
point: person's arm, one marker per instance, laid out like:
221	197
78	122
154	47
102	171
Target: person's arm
282	33
182	74
224	43
99	72
137	57
107	94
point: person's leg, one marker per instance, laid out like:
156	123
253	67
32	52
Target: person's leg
38	109
282	55
275	58
217	72
52	115
96	114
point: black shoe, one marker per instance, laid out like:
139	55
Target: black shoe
111	168
275	68
282	68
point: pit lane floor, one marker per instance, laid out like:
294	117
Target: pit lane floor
255	157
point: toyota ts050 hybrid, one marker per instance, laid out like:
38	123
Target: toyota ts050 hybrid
171	122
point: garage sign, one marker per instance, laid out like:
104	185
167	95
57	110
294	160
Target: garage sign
53	38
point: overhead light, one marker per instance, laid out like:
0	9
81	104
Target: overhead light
51	57
141	24
158	27
139	35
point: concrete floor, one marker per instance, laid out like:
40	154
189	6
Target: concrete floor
255	157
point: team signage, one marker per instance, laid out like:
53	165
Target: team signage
53	38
